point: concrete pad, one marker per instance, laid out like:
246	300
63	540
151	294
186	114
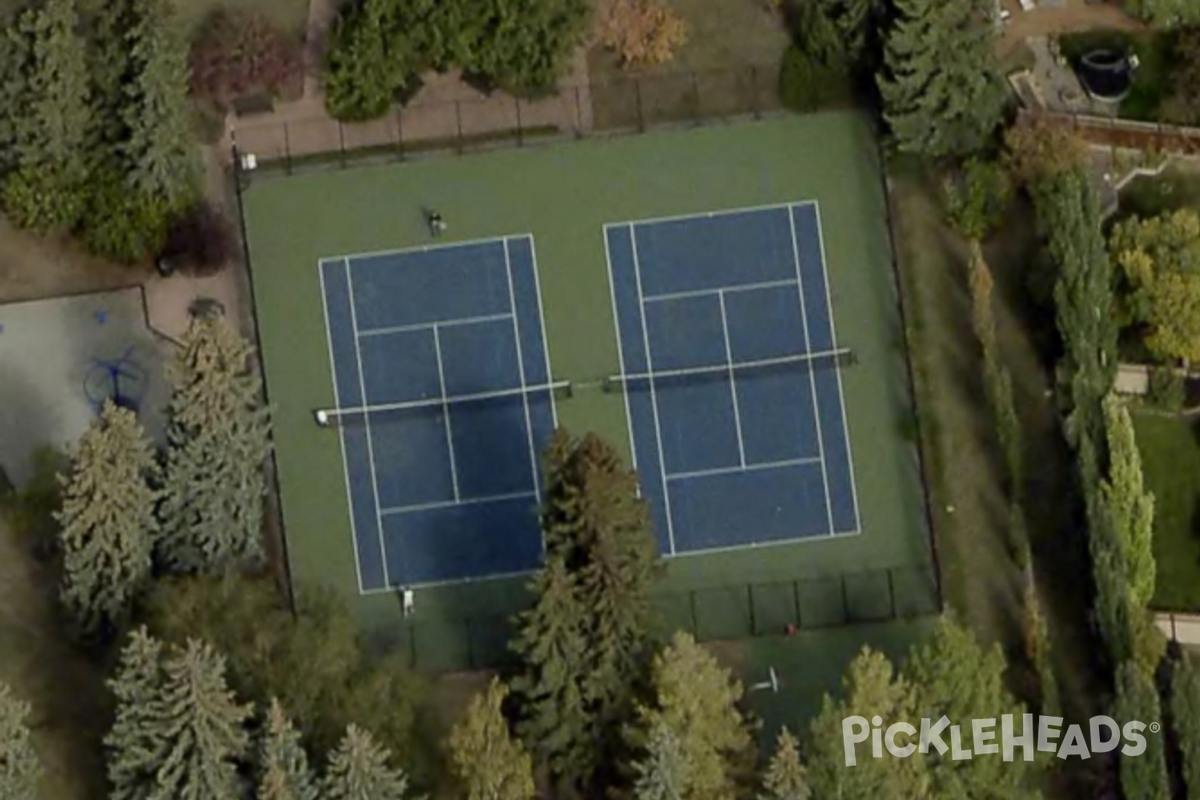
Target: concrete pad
60	358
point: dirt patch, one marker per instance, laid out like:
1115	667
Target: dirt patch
33	268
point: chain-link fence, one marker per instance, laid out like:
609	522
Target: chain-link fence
727	612
622	105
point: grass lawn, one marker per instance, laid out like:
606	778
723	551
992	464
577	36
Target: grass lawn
980	579
1170	448
1177	187
293	222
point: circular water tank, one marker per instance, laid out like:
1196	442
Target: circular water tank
1106	74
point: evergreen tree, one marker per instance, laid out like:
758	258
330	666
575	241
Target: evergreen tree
856	22
358	770
488	762
525	43
1130	505
50	130
1069	215
135	747
111	70
160	148
20	769
1143	777
695	700
218	439
595	521
786	778
1185	720
664	773
871	688
201	727
107	519
556	721
942	90
953	675
284	773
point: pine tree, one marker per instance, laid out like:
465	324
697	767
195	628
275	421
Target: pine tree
488	762
111	70
856	22
550	643
941	87
1185	720
953	675
871	688
664	773
51	129
695	699
284	773
201	727
20	769
107	520
358	770
596	522
786	778
218	439
135	748
160	149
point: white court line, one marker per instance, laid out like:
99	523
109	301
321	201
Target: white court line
399	251
444	323
516	329
537	285
662	454
740	287
841	393
470	501
737	415
726	212
612	290
362	387
713	369
437	348
764	465
341	434
812	381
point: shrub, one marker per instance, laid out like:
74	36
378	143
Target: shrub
202	241
1038	149
641	32
524	44
367	63
120	223
976	198
239	54
41	200
1167	388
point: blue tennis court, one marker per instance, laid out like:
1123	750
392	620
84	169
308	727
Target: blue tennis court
732	377
444	402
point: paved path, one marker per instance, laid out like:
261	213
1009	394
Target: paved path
1067	17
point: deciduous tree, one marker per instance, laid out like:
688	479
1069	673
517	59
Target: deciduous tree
217	442
20	769
1037	149
238	54
942	90
107	518
641	32
488	762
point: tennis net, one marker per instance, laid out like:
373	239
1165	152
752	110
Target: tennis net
330	417
820	360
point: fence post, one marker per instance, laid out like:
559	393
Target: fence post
458	122
412	644
796	602
892	593
399	133
845	599
692	611
470	645
697	117
287	148
342	143
641	119
753	617
520	126
755	106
